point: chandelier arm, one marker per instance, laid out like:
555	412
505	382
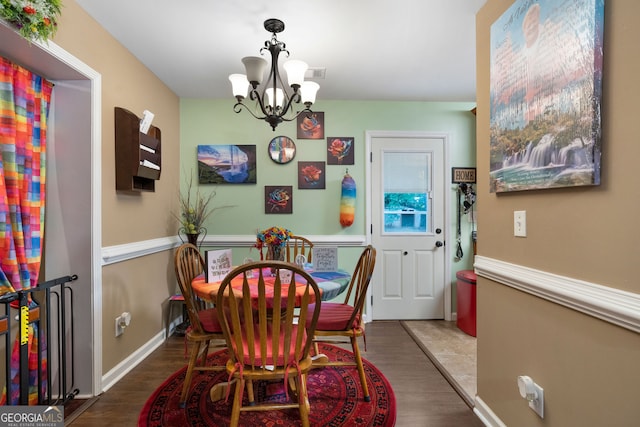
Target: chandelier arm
255	96
238	108
295	116
290	100
272	82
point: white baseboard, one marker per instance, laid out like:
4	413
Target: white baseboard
486	415
83	396
121	369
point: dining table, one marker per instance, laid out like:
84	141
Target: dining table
331	284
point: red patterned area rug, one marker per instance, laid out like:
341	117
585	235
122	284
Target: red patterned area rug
335	395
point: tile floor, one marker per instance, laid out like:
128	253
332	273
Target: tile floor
452	351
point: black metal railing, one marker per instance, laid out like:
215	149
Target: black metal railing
55	299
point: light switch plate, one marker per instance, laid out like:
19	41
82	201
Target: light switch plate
520	223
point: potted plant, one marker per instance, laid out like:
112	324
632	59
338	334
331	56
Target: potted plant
34	19
195	208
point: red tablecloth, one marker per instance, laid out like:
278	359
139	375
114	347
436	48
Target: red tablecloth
208	291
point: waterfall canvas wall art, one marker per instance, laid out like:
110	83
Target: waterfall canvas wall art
545	95
227	164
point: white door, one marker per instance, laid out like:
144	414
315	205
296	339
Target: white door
407	226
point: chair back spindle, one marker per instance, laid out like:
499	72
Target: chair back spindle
298	245
360	281
189	264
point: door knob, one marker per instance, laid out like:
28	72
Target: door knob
405	253
438	230
439	244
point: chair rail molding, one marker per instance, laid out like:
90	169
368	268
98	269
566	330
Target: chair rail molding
243	241
612	305
127	251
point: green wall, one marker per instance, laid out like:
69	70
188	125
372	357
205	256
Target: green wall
316	212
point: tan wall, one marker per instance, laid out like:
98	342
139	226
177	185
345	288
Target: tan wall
140	286
589	368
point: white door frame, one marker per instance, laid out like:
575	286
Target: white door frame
447	201
56	56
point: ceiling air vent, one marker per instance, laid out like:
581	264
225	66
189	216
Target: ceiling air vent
315	73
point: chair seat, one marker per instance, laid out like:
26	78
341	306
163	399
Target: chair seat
209	320
334	317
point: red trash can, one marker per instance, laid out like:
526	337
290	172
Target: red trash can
466	298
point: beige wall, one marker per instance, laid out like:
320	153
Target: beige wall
140	286
589	368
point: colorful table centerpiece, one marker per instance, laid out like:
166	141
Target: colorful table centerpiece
275	239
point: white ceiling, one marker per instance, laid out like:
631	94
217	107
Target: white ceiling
405	50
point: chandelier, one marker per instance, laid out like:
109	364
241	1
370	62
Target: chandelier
274	102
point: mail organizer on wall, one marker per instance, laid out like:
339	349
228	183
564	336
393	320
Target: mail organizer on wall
137	154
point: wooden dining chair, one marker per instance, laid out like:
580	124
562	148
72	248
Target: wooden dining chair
260	326
205	326
345	319
298	245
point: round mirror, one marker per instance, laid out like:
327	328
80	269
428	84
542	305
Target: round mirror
282	149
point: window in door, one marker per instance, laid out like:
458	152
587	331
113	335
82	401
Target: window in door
406	192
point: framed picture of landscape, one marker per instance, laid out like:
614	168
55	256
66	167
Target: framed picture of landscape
227	164
545	95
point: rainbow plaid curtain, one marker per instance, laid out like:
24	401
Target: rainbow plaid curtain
24	106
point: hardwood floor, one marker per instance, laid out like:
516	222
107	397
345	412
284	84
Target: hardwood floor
423	395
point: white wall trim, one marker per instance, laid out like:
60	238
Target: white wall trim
95	78
248	240
124	367
612	305
486	415
127	251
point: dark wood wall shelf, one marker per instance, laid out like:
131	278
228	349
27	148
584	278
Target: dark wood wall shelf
138	159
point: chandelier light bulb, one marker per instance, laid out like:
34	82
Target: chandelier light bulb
295	72
255	67
308	92
239	85
279	98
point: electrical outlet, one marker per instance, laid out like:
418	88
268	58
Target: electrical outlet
538	404
119	326
122	322
520	223
533	393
